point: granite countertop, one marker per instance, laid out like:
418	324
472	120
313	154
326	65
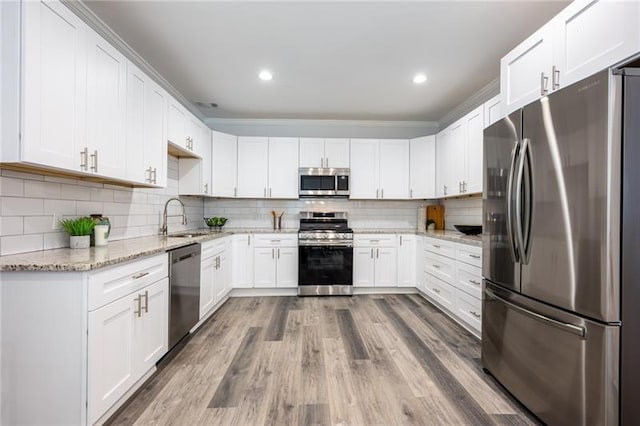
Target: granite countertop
65	259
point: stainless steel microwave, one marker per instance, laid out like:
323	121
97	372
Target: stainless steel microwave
323	182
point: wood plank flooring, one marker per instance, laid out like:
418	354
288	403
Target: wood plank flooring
361	360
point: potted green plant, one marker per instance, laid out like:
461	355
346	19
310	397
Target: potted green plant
79	231
215	223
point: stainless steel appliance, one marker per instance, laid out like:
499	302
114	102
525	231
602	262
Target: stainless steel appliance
184	282
325	253
560	319
323	182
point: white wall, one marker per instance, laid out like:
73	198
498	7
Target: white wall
29	201
324	128
361	214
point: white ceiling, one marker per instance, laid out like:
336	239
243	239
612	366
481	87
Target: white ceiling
330	60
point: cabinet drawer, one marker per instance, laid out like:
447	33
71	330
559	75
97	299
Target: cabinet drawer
276	240
210	248
375	240
469	309
443	248
440	266
469	279
469	254
441	292
109	284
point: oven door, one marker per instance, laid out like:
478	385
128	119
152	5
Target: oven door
325	265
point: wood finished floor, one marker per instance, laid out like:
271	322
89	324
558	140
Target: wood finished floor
364	360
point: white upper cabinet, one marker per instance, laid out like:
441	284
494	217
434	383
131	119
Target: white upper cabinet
311	152
442	163
586	37
455	157
365	166
106	107
379	169
146	126
336	153
177	125
492	111
394	169
592	35
474	128
422	167
318	152
283	168
224	172
253	170
525	71
54	87
199	146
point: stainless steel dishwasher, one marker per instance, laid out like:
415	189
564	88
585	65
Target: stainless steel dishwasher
184	282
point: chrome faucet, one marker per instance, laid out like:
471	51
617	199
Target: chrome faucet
165	226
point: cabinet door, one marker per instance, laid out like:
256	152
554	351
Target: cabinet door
106	107
177	124
525	71
336	153
492	111
406	261
364	169
111	369
287	269
224	155
155	134
194	131
419	270
283	168
386	273
253	155
242	276
474	128
151	328
136	127
264	272
219	280
54	89
422	168
207	292
311	152
205	153
394	169
442	165
590	36
363	266
455	157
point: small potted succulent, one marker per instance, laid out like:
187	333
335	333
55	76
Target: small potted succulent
79	231
215	223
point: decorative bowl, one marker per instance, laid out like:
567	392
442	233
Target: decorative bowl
469	229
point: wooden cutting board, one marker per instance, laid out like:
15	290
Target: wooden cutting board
436	213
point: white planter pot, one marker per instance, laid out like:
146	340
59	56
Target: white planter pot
79	242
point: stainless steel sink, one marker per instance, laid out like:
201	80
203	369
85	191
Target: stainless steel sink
189	234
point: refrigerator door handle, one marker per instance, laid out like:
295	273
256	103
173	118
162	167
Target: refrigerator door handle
518	207
510	233
570	328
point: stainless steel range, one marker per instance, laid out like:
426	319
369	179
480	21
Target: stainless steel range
325	253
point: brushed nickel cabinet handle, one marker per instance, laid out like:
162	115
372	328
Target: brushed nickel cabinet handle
377	253
235	191
321	162
278	253
382	193
372	253
94	161
475	256
400	239
155	175
445	189
326	162
206	188
411	193
436	246
249	239
475	314
474	282
555	77
84	156
140	275
138	301
377	190
436	266
146	301
273	253
543	84
264	192
436	290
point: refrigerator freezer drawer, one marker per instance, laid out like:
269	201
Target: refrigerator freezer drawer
564	368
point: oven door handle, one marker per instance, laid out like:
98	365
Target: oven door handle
321	243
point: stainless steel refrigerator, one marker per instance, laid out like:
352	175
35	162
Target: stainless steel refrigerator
561	252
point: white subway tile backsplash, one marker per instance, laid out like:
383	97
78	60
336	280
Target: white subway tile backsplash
75	192
39	224
56	240
11	225
10	206
11	187
65	207
20	244
101	194
86	208
41	189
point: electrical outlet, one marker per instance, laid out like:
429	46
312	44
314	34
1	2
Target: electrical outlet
56	219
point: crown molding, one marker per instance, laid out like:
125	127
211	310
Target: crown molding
481	96
98	25
314	122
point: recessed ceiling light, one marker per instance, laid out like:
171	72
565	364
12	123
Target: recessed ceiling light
265	75
419	78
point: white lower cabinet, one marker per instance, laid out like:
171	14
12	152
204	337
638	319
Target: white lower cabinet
215	273
453	280
242	276
276	261
407	261
375	261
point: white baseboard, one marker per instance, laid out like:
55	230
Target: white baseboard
256	292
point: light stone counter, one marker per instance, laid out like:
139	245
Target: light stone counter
454	236
65	259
